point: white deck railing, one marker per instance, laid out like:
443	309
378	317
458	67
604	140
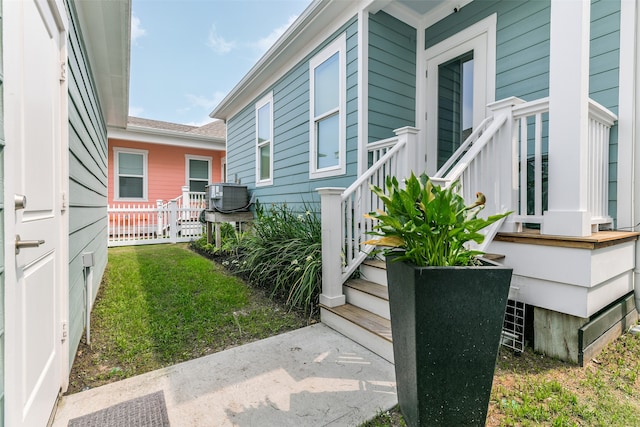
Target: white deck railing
505	158
147	223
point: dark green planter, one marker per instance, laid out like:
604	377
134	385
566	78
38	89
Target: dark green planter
446	324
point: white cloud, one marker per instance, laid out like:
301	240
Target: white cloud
204	102
218	43
136	29
135	111
266	42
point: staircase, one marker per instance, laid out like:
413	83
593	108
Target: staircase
365	316
510	140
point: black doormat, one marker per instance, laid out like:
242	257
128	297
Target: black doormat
145	411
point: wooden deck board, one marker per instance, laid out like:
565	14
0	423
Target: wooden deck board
598	240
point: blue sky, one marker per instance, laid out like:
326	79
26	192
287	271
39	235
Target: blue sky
186	55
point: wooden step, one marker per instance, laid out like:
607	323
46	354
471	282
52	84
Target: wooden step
367	295
374	289
362	326
374	270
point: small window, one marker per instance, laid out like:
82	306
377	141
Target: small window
130	174
264	141
327	117
198	173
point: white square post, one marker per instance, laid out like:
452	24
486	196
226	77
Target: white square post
568	214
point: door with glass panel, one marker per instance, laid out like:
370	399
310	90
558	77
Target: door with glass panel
460	84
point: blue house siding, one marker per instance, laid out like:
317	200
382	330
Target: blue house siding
522	43
87	180
291	183
522	54
392	76
604	77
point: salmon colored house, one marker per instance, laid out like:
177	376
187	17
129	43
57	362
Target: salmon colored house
152	160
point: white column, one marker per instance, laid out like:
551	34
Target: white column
568	119
330	203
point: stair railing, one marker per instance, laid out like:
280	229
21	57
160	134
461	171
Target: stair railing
344	226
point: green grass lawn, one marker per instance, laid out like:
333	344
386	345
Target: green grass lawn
164	304
535	390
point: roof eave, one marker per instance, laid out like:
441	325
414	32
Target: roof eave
167	137
106	26
296	35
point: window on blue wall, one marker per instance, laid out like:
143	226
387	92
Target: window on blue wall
327	111
130	175
264	141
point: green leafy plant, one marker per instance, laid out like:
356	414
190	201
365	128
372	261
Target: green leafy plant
284	254
429	225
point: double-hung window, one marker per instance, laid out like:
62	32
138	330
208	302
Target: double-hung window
327	149
264	141
130	175
198	173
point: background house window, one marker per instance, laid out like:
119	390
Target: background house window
264	141
198	174
327	140
131	174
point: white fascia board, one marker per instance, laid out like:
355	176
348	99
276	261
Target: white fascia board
106	27
164	137
321	19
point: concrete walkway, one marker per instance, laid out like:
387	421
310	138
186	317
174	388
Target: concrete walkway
313	376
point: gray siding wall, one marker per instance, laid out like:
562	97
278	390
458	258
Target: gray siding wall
522	50
87	180
392	76
291	183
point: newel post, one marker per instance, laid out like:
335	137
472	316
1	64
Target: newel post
409	135
159	218
508	161
330	215
173	221
186	202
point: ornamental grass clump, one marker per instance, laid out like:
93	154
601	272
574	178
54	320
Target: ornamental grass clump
428	225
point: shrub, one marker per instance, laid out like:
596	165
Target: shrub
284	255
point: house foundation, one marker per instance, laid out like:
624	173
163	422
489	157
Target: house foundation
581	288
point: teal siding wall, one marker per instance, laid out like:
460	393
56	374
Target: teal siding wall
522	54
87	180
522	43
392	76
291	183
1	227
604	76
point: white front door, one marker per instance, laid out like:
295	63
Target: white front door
460	84
35	132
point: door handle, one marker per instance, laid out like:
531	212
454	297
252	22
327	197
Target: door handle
20	201
21	244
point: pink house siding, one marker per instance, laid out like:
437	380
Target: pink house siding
166	168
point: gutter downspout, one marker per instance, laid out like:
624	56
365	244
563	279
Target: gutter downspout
635	119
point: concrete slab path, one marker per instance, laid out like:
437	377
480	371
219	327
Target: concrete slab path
312	376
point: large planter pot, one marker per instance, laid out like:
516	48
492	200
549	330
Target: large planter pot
446	324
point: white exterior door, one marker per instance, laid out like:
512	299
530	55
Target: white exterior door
460	84
36	134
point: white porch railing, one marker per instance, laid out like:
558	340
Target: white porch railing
146	223
505	158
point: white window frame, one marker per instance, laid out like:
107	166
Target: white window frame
116	174
188	157
264	101
339	45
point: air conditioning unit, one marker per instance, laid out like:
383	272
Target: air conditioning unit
227	197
